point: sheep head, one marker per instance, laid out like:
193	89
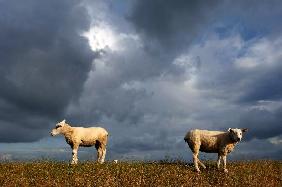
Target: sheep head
236	134
59	128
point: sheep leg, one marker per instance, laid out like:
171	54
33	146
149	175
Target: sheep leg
104	146
99	155
74	154
98	147
195	160
201	164
104	150
224	163
218	161
103	143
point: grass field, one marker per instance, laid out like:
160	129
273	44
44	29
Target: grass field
162	173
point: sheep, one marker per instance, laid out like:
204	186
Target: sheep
85	137
218	142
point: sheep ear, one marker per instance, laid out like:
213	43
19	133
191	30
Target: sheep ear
64	121
244	130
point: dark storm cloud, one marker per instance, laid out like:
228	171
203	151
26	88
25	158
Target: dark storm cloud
262	123
44	63
253	16
143	142
172	24
266	85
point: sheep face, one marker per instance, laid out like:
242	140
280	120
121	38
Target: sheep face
58	129
236	134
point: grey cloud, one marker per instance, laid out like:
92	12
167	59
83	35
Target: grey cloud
113	90
175	24
262	123
265	86
253	16
44	63
172	25
144	142
257	149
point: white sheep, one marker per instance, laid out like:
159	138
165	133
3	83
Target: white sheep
218	142
85	137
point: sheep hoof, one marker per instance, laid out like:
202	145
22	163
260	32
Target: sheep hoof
225	171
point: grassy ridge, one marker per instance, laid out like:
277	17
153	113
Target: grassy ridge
48	173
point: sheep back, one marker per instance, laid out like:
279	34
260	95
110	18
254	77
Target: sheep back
206	141
87	136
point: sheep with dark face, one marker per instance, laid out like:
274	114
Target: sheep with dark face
85	137
218	142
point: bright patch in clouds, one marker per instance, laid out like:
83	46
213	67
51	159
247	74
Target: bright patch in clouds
276	140
101	37
262	52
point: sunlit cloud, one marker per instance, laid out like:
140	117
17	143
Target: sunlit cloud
101	37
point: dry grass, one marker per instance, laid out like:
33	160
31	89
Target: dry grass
48	173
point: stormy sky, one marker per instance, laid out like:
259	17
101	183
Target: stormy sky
147	71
